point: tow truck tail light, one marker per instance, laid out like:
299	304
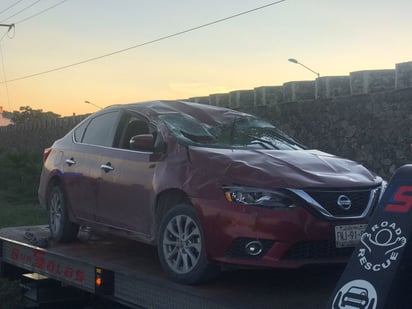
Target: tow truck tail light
103	281
98	281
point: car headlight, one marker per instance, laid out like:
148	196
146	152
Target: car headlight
258	197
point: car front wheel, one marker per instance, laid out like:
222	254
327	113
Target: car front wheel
181	247
61	228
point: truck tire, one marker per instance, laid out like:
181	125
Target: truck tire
181	247
61	229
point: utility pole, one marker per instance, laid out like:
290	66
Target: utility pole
10	26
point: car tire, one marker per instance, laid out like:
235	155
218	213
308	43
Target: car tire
61	229
181	247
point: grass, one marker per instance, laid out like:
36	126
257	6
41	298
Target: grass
16	214
19	178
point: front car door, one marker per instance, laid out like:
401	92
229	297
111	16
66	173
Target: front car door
126	185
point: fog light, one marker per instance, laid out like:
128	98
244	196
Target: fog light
254	248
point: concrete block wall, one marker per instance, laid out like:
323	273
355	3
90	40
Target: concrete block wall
403	75
332	87
325	87
363	82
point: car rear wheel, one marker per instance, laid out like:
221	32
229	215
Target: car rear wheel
181	247
61	228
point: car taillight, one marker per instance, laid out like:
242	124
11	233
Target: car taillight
46	153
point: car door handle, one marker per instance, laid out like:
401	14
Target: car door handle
70	162
107	167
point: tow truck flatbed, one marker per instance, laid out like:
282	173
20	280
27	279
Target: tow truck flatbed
133	277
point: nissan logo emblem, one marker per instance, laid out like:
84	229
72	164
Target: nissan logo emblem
344	202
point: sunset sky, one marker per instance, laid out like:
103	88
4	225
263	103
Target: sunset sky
333	37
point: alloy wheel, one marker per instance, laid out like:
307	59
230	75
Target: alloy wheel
56	212
182	244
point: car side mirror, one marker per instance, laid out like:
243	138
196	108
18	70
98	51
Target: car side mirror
142	142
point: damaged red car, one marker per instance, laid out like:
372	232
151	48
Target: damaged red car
209	186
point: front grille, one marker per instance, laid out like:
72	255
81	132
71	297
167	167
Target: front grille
237	248
360	199
320	249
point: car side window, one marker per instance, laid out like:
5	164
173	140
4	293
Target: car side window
101	129
131	126
79	131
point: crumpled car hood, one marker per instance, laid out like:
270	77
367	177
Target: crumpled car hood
275	168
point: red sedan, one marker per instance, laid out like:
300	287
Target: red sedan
209	186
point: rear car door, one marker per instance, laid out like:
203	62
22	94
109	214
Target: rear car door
82	162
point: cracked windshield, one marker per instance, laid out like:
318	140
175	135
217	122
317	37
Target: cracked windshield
236	131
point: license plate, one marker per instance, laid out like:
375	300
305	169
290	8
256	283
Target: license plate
349	235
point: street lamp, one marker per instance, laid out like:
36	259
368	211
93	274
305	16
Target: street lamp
293	60
88	102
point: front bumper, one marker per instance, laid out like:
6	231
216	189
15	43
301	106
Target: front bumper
290	237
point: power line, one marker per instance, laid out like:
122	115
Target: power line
39	13
34	15
11	6
22	10
143	44
4	75
12	26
